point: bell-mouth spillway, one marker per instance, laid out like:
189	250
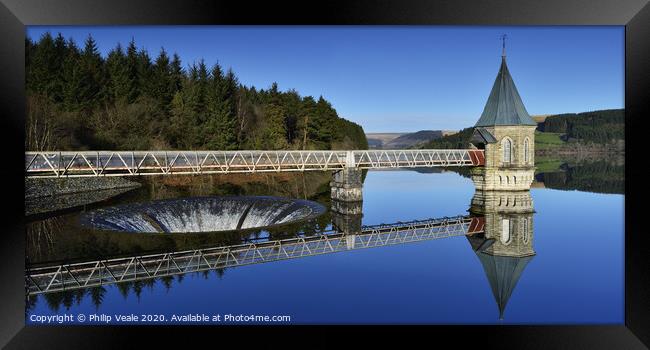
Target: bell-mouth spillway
202	214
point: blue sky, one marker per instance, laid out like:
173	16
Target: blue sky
402	78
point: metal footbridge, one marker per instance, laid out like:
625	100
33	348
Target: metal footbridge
62	277
125	163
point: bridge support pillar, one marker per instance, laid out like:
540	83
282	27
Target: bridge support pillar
346	185
346	219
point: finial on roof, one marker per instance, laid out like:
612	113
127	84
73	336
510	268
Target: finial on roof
503	39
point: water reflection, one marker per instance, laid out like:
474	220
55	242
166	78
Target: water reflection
506	245
595	175
598	176
499	228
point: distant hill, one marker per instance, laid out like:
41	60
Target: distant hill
376	140
404	140
540	118
595	131
413	139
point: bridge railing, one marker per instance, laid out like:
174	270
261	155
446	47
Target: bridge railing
124	163
101	272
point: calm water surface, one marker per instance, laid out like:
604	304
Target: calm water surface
576	275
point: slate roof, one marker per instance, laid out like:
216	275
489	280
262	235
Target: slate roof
503	273
504	105
482	135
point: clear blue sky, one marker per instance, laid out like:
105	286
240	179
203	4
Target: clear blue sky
404	78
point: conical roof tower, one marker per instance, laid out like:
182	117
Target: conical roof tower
504	105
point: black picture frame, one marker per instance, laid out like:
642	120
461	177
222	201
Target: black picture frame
633	14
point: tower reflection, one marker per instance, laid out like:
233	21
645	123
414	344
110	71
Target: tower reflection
506	246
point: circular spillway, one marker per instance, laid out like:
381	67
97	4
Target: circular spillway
202	214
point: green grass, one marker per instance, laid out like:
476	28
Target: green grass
547	165
546	140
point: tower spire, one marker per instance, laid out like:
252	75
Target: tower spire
503	39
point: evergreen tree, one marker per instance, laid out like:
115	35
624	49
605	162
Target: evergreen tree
222	113
177	74
132	69
275	129
79	100
162	80
60	53
119	81
91	70
43	73
305	128
144	74
72	82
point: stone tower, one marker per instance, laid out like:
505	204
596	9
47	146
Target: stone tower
507	134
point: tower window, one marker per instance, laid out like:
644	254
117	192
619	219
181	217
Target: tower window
526	152
507	151
505	231
526	235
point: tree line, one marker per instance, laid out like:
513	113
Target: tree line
459	140
598	177
79	100
602	126
599	127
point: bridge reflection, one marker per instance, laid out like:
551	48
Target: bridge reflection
101	272
498	227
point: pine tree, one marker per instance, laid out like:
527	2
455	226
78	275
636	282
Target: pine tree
92	76
274	129
222	114
119	81
43	72
144	74
60	53
177	75
72	83
132	69
162	87
305	128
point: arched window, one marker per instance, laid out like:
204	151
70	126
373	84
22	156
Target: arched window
507	151
526	235
526	152
505	231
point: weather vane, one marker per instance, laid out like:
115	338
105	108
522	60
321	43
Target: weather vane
503	38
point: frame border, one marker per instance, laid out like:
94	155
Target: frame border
633	14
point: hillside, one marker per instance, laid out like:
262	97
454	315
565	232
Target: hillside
404	140
589	132
377	140
413	139
596	126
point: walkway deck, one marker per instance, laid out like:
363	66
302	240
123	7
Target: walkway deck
128	163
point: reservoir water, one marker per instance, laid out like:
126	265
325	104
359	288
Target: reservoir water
573	271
